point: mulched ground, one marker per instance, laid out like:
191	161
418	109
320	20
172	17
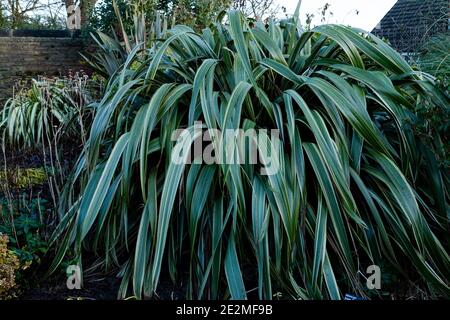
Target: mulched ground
34	157
100	289
105	289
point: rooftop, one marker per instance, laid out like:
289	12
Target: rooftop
411	22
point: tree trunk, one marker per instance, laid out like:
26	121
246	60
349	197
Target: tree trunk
86	7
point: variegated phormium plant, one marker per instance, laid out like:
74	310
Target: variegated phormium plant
354	188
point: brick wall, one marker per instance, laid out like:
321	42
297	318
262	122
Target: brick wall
26	54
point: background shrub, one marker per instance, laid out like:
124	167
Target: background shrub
9	265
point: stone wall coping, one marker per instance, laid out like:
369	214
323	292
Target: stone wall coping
38	39
29	33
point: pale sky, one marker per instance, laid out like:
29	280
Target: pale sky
370	12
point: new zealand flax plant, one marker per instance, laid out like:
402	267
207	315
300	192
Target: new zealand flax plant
354	187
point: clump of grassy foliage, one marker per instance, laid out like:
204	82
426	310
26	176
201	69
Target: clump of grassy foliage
355	187
51	110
